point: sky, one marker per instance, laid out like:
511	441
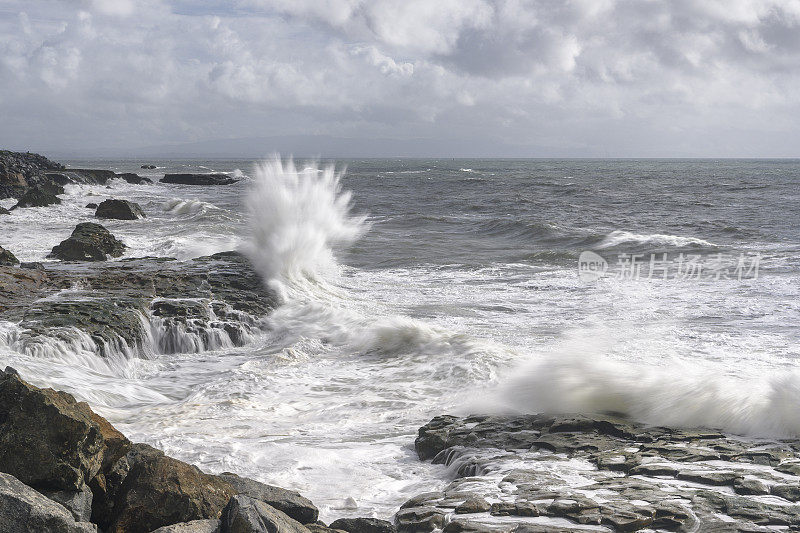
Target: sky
483	78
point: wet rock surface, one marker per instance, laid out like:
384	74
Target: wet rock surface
573	472
7	258
137	306
88	242
37	197
198	179
119	210
20	171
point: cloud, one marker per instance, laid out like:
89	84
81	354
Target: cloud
576	77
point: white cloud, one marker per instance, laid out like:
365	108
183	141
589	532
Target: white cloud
121	73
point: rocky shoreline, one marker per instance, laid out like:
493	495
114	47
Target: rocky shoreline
63	468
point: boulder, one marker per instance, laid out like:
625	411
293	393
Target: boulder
119	210
148	166
247	515
37	197
474	504
135	179
4	211
91	205
198	179
363	525
47	439
160	491
286	501
7	258
77	502
23	510
195	526
88	242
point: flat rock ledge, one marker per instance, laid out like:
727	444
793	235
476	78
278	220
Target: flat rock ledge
579	473
65	469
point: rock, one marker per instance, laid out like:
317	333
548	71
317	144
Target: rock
7	258
160	491
148	166
247	515
88	242
77	502
363	525
286	501
653	470
36	197
135	179
21	170
708	478
119	210
198	179
23	510
750	486
47	439
4	211
319	528
420	519
115	444
88	176
195	526
91	205
474	504
787	492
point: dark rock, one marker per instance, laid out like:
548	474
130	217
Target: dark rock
47	439
148	166
516	509
36	197
787	492
420	519
319	528
91	205
88	242
7	258
195	526
58	178
198	179
474	504
88	176
33	265
289	502
4	211
135	179
652	470
363	525
708	478
159	491
77	502
119	210
20	171
248	515
23	510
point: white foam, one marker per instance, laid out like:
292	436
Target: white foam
618	237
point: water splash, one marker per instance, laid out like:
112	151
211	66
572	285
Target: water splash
298	218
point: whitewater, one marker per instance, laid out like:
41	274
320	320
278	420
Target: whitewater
410	289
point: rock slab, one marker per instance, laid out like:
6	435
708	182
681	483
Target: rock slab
88	242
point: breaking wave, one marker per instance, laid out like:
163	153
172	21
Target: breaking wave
619	238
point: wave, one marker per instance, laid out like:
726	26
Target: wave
677	394
619	238
178	206
298	219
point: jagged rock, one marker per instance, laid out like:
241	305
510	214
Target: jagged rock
119	210
37	197
21	170
195	526
750	486
32	265
88	242
47	439
289	502
23	510
91	205
4	211
363	525
198	179
708	478
248	515
135	179
787	492
7	258
148	166
77	502
88	176
419	519
474	504
159	491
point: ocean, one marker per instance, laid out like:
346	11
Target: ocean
414	288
